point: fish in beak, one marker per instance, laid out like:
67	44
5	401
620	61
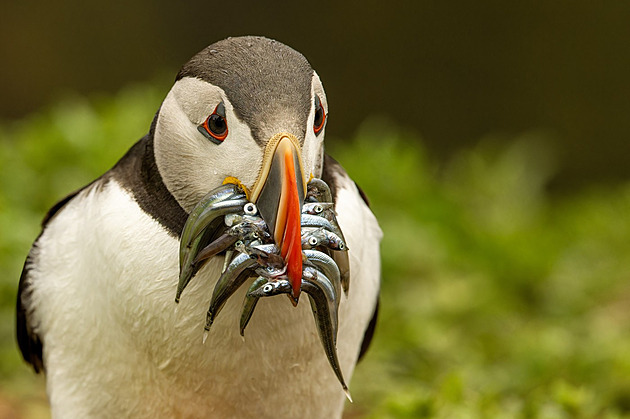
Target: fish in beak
279	194
272	211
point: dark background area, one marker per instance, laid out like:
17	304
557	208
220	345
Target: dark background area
454	72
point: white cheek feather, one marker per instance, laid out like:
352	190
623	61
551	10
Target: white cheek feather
312	153
313	149
192	165
116	344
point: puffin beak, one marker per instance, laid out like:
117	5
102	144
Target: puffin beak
279	194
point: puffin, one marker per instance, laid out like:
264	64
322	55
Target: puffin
96	311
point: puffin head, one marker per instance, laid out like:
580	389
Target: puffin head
251	111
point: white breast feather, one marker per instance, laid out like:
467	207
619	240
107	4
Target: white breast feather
117	345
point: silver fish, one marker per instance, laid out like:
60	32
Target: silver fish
317	208
189	265
187	270
229	257
191	260
262	287
272	271
189	245
325	210
222	193
318	190
317	278
249	303
321	237
247	230
243	246
234	276
342	260
319	222
223	242
326	265
321	312
325	271
270	287
234	219
265	254
341	257
237	272
207	216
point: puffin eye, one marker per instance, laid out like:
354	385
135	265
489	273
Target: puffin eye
215	126
320	116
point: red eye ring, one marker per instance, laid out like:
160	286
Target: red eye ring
320	116
215	126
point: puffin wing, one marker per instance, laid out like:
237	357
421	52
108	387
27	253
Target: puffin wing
137	173
338	180
29	341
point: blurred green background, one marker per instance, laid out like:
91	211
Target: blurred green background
491	138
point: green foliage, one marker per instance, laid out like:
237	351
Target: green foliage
498	300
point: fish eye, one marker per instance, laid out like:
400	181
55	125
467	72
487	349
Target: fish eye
215	126
320	116
268	288
238	243
342	246
250	209
318	208
312	241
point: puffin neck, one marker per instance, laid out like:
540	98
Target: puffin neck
137	172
